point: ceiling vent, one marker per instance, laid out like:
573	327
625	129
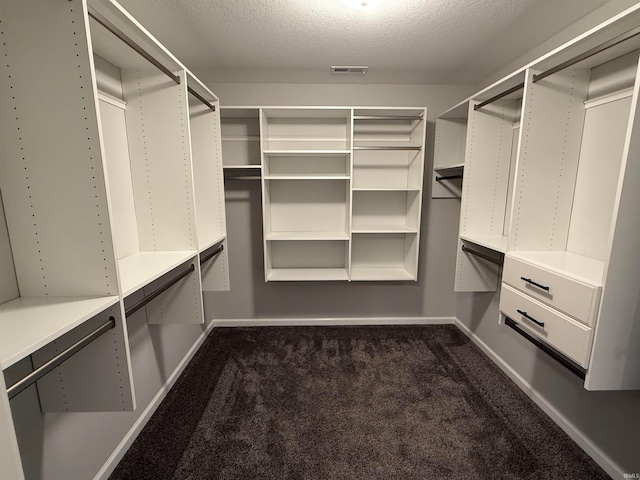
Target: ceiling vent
348	70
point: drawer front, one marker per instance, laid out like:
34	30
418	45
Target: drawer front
561	332
570	296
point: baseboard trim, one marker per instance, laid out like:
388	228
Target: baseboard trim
319	322
113	460
608	465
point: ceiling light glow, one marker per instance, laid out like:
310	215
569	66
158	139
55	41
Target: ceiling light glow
363	4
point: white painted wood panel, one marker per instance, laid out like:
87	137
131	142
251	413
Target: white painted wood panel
161	169
53	172
551	127
123	210
9	453
603	139
8	281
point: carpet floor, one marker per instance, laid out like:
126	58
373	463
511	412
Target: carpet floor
418	402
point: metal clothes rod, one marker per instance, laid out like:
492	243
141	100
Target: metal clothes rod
388	117
45	368
481	255
388	148
141	303
141	51
448	177
209	256
520	86
201	98
565	362
589	53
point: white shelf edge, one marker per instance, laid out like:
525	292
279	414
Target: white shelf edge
44	319
307	177
380	274
242	167
498	243
310	152
375	189
204	245
307	274
142	268
381	229
306	236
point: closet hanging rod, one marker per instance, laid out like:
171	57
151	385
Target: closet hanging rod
212	254
243	177
589	53
201	98
141	51
481	255
387	117
141	303
387	147
45	368
511	90
565	362
448	177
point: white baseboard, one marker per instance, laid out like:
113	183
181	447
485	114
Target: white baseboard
113	460
569	428
318	322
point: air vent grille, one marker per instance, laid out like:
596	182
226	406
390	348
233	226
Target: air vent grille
348	70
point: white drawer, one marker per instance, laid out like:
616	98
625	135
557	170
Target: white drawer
558	330
577	299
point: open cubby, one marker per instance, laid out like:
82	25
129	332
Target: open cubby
306	129
449	152
306	165
387	169
240	129
489	171
306	207
154	222
307	260
385	211
388	256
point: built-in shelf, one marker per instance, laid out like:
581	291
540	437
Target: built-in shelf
307	274
306	177
382	229
142	268
207	242
29	323
307	236
497	243
372	274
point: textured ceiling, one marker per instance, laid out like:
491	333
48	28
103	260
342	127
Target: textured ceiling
402	41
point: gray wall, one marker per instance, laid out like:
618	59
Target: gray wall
250	297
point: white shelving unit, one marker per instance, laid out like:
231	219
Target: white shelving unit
147	151
342	192
107	167
489	166
240	128
208	175
306	181
388	170
59	268
552	183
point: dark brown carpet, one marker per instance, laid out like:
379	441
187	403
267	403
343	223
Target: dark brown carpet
349	403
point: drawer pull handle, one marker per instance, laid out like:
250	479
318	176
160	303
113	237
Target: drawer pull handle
528	317
528	280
